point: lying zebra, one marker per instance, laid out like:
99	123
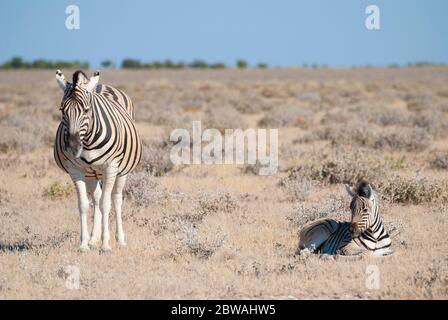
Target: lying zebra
365	234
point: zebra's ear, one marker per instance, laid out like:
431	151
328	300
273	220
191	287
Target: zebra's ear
93	81
60	79
349	190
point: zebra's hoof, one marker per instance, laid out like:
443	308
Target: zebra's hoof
84	248
327	257
106	249
122	243
94	242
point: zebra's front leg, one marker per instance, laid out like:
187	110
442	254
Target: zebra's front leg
109	177
83	206
94	188
117	196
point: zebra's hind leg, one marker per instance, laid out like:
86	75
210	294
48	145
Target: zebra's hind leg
313	235
117	197
94	188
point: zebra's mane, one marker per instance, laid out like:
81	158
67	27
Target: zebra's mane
79	75
364	189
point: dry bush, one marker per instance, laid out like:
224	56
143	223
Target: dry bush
355	132
311	98
345	167
433	279
394	227
212	202
412	190
440	161
202	246
207	203
24	132
221	118
338	115
168	115
251	103
251	168
360	133
333	207
421	102
390	117
400	138
156	157
296	186
432	121
144	191
274	90
286	115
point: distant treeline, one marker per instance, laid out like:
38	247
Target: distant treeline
19	63
128	63
169	64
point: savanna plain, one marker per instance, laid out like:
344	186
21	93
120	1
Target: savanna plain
223	231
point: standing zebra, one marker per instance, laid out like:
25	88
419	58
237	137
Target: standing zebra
364	234
96	140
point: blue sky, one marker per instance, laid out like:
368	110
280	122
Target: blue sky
280	32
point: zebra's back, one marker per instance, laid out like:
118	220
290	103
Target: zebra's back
325	236
118	96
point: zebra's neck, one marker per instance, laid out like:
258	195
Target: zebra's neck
94	124
375	237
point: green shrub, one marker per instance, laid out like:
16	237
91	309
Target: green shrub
59	190
131	64
241	64
107	64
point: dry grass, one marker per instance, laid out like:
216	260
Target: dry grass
217	231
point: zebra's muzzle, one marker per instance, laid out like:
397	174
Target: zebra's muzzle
75	145
354	230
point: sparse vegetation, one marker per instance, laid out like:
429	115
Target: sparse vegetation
281	116
344	167
409	139
413	190
333	207
202	246
144	190
297	186
219	230
440	161
156	157
362	134
221	118
218	201
24	133
59	190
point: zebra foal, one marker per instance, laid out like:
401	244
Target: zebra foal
96	141
364	234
